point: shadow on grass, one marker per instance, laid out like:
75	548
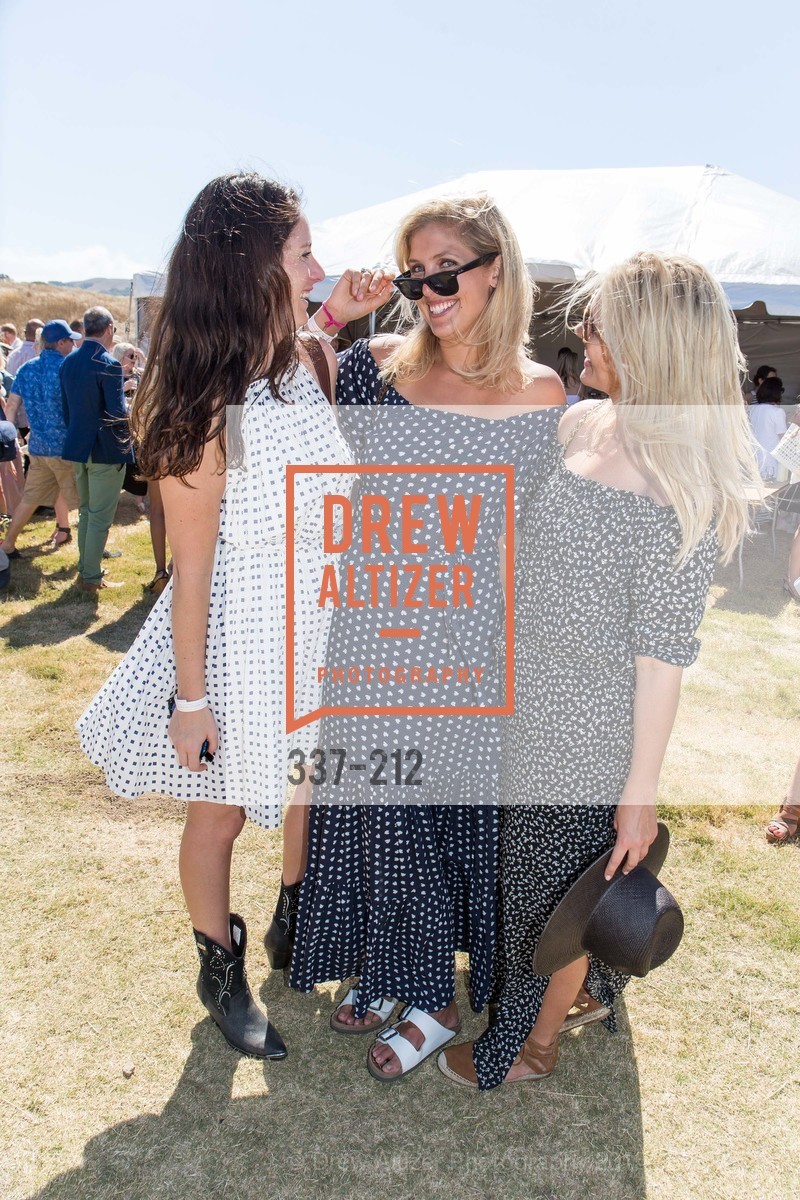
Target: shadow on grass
72	612
766	604
761	591
61	574
30	575
118	635
68	614
322	1127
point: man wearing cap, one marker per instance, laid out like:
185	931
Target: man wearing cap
98	438
50	480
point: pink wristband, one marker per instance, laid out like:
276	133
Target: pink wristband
331	319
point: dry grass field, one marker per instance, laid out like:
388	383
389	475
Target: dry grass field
19	302
117	1085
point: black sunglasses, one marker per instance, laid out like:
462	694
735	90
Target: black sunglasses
443	283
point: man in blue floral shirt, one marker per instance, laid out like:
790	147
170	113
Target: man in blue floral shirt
50	480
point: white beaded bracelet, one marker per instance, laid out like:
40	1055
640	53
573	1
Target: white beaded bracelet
191	705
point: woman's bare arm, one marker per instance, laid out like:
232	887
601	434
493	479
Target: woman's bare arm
192	519
658	687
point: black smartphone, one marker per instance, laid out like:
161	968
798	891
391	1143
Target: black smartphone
205	753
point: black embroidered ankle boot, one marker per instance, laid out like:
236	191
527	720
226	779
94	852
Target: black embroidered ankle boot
223	988
279	937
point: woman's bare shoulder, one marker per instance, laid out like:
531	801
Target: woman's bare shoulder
572	416
537	370
544	389
383	345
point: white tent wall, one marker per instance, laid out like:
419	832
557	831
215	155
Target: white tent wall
148	283
572	222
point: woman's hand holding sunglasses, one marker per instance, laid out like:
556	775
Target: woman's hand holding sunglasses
357	294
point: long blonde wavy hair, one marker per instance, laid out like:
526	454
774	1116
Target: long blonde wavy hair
672	342
500	336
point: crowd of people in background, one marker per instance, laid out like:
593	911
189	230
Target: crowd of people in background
67	389
41	475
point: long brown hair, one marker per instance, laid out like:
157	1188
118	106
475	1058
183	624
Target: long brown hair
225	320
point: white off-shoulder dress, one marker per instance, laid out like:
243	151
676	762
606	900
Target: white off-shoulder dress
124	729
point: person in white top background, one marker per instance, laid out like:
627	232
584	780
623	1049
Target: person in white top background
759	375
768	422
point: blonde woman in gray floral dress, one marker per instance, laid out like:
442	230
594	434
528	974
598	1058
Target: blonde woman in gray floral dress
615	561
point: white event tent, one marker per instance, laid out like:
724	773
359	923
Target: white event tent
572	222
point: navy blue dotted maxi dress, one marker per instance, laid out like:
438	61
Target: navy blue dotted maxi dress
400	877
595	587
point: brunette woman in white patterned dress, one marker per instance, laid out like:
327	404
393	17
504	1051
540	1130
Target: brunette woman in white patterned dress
225	346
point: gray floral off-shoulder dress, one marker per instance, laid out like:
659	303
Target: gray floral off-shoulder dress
595	588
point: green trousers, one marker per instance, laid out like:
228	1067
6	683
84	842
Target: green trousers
99	486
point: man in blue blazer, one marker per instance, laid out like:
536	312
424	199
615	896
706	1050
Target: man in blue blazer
98	440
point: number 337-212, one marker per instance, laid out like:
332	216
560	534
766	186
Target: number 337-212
329	767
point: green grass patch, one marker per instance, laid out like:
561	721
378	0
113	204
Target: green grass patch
689	1100
777	921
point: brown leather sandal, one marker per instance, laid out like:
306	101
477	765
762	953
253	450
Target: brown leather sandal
585	1011
540	1060
456	1063
783	826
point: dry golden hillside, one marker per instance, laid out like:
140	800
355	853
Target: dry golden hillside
21	301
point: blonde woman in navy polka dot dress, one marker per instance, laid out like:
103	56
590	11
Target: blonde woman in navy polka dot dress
393	889
227	382
613	570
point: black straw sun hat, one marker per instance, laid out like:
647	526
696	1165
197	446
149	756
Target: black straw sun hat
631	922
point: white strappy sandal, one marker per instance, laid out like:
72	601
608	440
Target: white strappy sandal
384	1007
410	1058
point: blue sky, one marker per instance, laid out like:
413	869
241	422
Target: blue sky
114	116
